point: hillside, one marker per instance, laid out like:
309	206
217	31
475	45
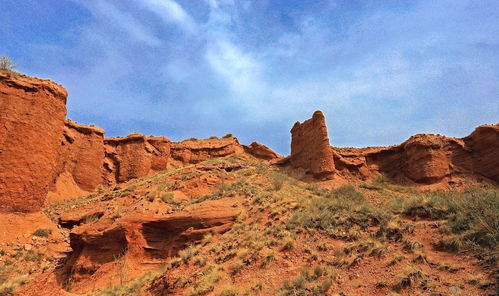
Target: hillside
81	214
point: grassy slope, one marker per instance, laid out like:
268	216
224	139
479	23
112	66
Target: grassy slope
296	238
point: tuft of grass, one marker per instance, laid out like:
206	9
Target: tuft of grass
370	186
188	253
407	277
236	266
268	255
33	256
42	232
428	206
206	284
228	290
277	180
316	282
342	213
132	288
228	136
8	287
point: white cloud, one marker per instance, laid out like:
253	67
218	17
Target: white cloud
120	19
239	69
171	12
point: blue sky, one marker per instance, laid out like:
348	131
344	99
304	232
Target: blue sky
381	71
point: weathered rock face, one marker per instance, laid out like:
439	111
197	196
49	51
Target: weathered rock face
80	166
31	124
85	154
135	156
194	151
426	158
261	151
310	148
483	143
138	239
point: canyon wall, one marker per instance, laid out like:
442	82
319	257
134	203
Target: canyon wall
31	130
194	151
135	156
79	169
46	158
427	158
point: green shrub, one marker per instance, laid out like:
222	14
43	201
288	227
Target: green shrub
33	256
473	223
342	213
428	206
42	232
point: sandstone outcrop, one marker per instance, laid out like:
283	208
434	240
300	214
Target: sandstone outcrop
80	162
310	148
135	156
261	151
194	151
427	158
139	240
31	130
46	158
483	143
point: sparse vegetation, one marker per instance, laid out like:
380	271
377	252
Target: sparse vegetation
131	288
315	282
42	232
286	224
6	65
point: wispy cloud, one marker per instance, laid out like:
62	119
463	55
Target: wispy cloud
196	68
171	12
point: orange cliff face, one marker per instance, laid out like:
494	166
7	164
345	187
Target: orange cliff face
31	130
46	158
310	148
423	159
80	162
135	156
428	159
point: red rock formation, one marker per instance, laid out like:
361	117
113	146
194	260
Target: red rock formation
80	167
194	151
261	151
135	156
310	148
31	124
483	144
426	158
138	239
